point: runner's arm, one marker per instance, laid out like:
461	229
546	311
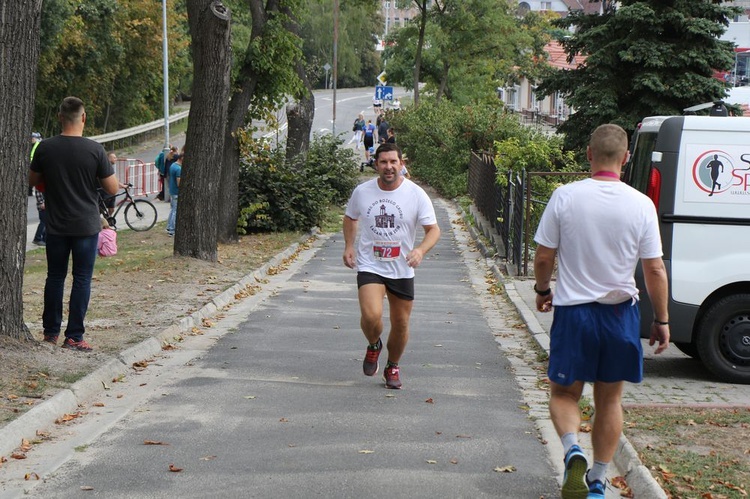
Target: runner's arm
431	236
350	234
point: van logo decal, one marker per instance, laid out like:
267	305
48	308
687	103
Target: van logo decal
714	175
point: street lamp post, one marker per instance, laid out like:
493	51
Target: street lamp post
165	67
335	57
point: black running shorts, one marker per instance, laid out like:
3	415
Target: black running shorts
402	288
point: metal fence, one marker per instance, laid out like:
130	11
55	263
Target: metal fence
511	209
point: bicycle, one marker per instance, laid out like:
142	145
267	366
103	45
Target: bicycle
140	214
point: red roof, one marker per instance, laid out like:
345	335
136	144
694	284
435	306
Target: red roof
557	58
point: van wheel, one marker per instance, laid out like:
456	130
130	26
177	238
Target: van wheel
689	349
724	339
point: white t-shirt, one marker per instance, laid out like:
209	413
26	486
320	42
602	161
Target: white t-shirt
388	223
600	230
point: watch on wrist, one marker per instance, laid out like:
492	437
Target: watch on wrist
660	323
542	293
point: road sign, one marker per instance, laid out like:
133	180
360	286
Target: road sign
384	93
382	78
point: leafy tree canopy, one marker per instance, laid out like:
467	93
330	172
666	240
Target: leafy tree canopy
470	48
643	58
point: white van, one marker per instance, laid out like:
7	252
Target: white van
696	169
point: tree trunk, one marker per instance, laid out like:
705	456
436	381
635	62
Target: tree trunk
299	116
443	82
237	116
19	51
422	6
196	231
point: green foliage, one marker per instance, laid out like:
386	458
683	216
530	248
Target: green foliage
277	195
360	25
643	58
109	54
532	151
470	48
438	138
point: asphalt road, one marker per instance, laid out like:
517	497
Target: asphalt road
272	402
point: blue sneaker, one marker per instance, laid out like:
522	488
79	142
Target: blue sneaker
574	481
596	490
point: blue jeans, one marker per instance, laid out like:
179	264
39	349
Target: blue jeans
59	249
172	214
41	229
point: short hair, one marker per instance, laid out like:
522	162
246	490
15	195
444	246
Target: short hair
387	147
608	143
71	109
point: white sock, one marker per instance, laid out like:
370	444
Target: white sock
568	441
598	472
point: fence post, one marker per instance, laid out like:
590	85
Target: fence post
527	223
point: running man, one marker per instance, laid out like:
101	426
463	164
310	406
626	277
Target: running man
714	165
390	208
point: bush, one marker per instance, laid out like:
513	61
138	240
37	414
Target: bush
278	195
438	139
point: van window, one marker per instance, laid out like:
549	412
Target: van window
639	169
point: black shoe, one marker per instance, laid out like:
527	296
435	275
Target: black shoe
39	243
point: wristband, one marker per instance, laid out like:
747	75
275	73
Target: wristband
542	293
660	323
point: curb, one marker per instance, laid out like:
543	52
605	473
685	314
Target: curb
626	459
69	399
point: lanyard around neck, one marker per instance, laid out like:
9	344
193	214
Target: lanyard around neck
606	174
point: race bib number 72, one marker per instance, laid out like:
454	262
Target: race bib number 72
386	251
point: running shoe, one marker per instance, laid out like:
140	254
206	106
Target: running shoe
81	346
48	338
391	378
370	365
574	481
596	490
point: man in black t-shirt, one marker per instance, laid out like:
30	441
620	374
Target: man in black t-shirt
383	127
69	168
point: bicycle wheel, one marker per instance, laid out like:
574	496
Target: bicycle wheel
140	215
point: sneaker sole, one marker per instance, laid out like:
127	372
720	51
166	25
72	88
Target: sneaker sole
377	369
574	486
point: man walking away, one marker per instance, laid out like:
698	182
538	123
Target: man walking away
390	207
599	228
71	168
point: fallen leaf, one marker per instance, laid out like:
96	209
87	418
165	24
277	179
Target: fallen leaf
208	458
29	476
505	469
250	396
87	487
18	455
25	445
154	442
430	401
98	404
463	436
454	461
174	468
367	452
283	420
431	461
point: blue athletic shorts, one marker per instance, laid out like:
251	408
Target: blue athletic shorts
596	342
